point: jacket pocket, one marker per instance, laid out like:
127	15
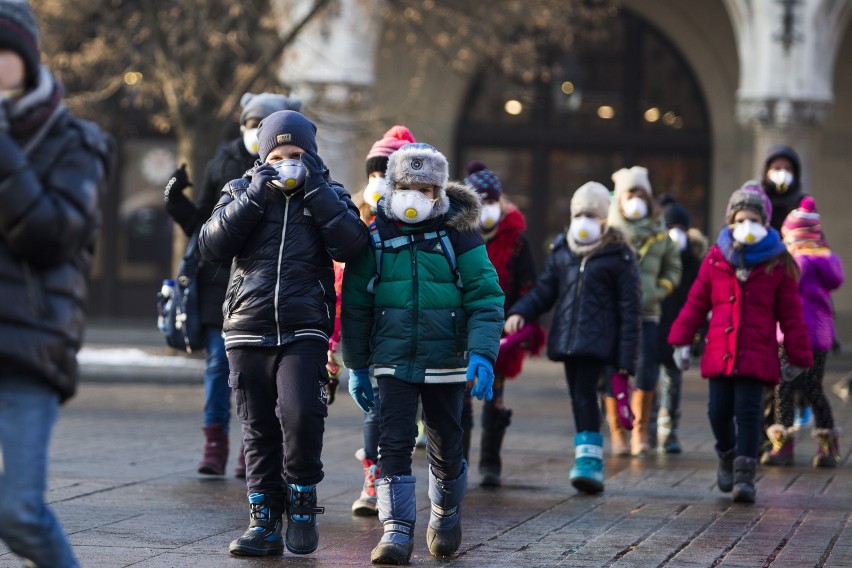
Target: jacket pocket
239	394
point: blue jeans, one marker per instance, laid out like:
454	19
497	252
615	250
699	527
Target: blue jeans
371	424
735	409
648	369
28	411
217	392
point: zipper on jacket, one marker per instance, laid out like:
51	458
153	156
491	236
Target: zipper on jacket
581	278
415	302
327	313
278	269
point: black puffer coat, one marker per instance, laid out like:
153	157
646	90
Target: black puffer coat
48	226
282	280
230	162
783	201
597	301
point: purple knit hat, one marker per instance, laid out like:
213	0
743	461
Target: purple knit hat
483	181
750	196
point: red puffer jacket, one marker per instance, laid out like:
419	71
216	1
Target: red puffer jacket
741	335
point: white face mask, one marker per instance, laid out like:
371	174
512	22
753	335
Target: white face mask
375	190
489	216
250	140
635	208
781	178
585	230
679	237
410	206
749	232
291	172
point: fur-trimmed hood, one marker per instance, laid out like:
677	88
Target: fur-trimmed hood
461	204
697	243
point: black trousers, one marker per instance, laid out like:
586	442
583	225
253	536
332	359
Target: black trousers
281	401
582	375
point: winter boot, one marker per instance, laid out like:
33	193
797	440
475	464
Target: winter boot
617	434
725	471
263	537
781	452
828	448
745	469
240	466
494	423
667	433
302	534
587	474
444	533
397	512
365	505
215	456
641	402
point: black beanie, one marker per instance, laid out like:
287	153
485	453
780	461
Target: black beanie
285	127
673	212
19	32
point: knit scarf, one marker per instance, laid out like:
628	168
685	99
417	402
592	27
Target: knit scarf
749	256
32	110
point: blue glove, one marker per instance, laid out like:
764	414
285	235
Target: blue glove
315	169
261	175
481	369
361	389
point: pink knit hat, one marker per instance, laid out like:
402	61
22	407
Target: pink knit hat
394	139
803	223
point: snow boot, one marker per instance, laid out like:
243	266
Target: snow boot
641	402
494	423
263	537
745	469
781	452
444	533
240	466
215	456
587	474
617	434
302	535
725	471
397	512
667	433
828	447
365	505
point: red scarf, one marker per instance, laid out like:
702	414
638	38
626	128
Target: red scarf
501	246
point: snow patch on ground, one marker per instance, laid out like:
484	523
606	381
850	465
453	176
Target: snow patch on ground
127	357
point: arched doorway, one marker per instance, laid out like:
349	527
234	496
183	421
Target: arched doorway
629	100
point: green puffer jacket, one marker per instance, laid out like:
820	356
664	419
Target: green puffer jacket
419	326
659	260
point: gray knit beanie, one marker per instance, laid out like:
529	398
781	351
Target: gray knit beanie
19	32
263	104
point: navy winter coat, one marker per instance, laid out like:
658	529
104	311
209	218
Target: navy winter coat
282	279
597	299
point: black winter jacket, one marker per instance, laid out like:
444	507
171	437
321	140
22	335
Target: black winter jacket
597	301
282	279
230	162
48	226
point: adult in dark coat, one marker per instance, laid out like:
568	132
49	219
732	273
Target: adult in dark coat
781	179
231	161
53	169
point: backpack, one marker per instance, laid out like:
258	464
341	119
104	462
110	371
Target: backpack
180	317
379	246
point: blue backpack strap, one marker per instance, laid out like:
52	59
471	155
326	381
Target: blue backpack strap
450	255
379	245
376	241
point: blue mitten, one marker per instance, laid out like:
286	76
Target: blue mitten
481	369
361	389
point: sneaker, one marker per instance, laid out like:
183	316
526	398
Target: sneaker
302	533
263	537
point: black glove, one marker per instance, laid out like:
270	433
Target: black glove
315	169
178	182
259	178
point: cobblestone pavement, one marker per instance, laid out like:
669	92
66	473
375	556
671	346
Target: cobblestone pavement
123	483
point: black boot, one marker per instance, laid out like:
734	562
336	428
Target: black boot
302	511
745	469
263	537
494	423
725	472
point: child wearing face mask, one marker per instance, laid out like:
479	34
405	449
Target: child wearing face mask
748	282
637	214
502	227
822	272
281	225
692	246
592	279
428	320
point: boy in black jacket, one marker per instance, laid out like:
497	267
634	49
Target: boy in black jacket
282	224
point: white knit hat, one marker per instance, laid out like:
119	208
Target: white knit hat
592	197
626	179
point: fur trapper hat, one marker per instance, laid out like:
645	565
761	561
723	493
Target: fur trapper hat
418	163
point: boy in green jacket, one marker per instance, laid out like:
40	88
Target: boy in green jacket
425	308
